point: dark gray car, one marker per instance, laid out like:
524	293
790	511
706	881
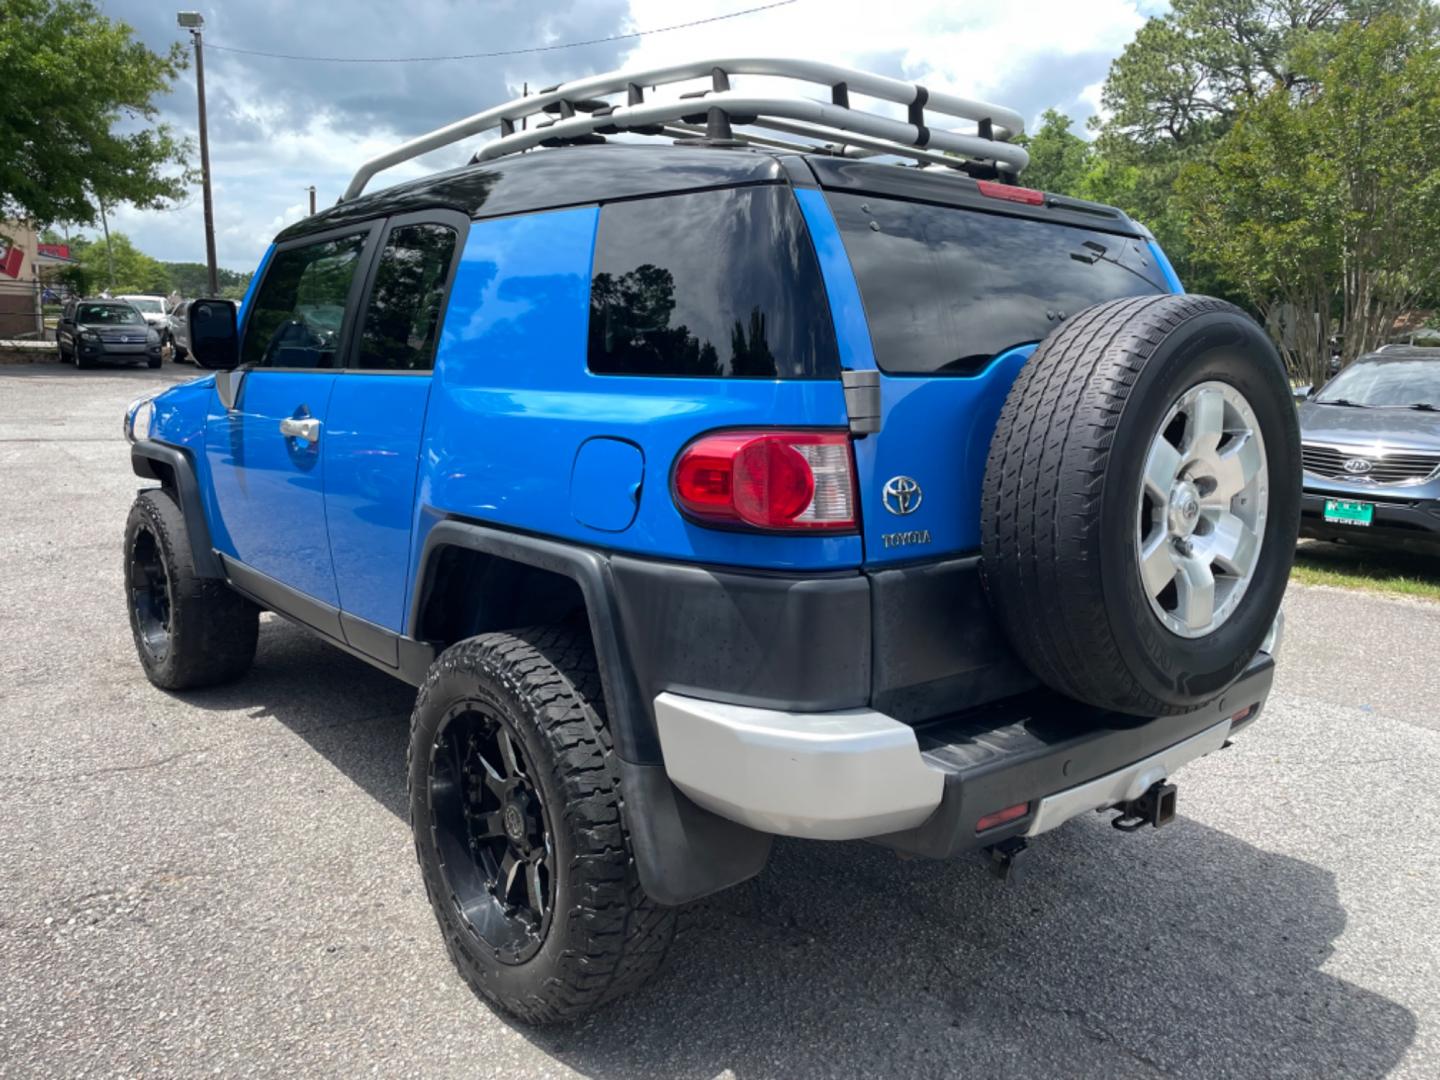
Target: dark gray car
94	330
1370	441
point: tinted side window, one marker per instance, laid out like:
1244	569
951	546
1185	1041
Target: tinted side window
711	283
946	290
299	310
404	311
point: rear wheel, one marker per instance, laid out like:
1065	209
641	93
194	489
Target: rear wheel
1142	501
515	807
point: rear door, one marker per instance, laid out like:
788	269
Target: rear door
376	420
265	454
954	301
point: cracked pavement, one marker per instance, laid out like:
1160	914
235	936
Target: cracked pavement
223	881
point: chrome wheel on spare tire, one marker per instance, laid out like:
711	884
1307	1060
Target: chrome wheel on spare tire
1201	516
1141	503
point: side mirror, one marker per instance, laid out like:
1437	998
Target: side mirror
1302	393
214	336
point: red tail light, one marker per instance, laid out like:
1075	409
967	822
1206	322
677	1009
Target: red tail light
783	480
1011	193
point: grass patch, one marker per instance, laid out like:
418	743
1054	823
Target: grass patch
1401	573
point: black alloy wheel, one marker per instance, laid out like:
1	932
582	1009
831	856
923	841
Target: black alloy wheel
150	594
491	831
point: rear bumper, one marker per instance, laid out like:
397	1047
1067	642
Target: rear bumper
858	773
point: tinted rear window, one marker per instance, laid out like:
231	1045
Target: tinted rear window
709	284
946	290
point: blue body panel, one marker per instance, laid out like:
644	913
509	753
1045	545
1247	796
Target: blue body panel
269	490
514	402
371	454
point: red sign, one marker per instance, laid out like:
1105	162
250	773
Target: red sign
58	251
10	260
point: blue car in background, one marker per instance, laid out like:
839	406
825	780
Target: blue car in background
722	487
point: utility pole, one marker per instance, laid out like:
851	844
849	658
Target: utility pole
109	255
194	22
312	200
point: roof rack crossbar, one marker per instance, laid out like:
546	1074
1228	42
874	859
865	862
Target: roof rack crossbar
835	119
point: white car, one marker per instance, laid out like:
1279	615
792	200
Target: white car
154	311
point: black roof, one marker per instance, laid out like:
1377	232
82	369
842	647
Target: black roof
581	175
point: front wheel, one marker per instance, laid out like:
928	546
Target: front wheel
516	811
189	631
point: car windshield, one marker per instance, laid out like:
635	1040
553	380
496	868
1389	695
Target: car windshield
1379	384
108	314
155	307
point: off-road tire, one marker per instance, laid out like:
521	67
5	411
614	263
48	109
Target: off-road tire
1057	525
212	629
606	937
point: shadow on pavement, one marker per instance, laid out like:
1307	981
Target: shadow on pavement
1185	952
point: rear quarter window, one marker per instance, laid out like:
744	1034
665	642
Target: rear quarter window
946	289
712	283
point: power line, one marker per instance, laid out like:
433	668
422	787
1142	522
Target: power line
502	52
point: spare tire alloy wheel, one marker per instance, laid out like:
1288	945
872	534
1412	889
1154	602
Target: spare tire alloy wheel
1201	516
1141	503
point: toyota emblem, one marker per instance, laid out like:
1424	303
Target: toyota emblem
902	495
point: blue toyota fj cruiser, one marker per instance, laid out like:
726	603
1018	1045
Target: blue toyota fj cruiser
723	487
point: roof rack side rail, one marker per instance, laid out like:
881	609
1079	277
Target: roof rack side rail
833	119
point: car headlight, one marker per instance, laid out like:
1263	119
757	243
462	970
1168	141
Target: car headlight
153	336
138	416
89	335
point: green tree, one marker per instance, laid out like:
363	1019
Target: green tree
135	272
191	279
1188	72
77	114
1325	200
1059	158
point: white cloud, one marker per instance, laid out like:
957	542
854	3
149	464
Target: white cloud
279	126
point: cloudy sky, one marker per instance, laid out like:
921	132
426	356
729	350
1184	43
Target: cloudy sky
277	126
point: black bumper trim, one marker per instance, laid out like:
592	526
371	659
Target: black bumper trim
1042	744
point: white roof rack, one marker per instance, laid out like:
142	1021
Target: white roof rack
578	111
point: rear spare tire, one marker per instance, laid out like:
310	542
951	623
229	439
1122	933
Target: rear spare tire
1141	502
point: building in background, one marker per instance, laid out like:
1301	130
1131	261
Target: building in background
23	265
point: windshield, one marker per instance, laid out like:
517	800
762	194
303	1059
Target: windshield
155	307
108	314
1380	384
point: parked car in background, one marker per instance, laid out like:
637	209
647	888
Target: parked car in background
153	310
1370	441
179	331
94	330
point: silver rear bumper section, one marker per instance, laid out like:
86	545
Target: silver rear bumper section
828	776
852	774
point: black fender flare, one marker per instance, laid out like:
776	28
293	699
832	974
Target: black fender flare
172	467
682	852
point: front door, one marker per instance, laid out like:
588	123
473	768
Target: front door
266	454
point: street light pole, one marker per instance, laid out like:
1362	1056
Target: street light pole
312	200
193	21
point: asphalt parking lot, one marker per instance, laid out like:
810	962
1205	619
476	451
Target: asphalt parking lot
223	881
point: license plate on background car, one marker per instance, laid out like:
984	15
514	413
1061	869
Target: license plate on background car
1344	512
